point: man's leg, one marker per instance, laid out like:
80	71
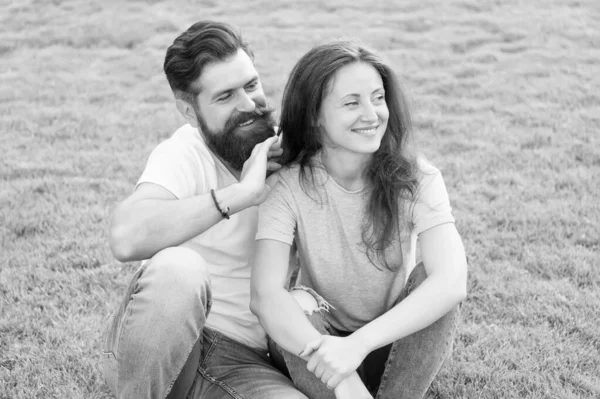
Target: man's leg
229	369
412	363
158	327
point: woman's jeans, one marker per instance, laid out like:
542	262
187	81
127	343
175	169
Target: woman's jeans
404	369
156	343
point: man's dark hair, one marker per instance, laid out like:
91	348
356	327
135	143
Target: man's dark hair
203	43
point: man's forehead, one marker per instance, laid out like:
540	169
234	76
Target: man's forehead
229	74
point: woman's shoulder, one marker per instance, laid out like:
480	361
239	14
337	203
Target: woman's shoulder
425	167
300	179
289	173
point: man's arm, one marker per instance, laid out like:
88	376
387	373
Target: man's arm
152	218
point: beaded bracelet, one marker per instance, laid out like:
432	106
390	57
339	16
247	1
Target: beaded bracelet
224	212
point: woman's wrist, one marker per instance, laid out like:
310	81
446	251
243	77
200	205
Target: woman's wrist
362	341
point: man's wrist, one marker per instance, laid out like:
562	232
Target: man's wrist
236	196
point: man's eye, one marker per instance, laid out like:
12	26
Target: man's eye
252	85
224	97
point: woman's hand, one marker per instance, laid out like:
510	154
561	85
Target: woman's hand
334	358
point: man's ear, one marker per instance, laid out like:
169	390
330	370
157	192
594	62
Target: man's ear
187	111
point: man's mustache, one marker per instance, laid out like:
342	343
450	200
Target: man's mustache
242	117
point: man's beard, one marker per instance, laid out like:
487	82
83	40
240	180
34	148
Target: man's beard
234	144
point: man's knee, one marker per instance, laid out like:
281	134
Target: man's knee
177	273
179	265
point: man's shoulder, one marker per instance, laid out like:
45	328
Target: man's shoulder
184	141
187	135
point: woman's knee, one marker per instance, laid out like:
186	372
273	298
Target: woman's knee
314	307
306	300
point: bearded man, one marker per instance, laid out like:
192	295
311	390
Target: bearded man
184	328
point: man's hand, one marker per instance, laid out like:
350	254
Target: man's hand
253	177
334	358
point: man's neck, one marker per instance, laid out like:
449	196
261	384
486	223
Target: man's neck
236	173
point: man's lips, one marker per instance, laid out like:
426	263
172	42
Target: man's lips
248	122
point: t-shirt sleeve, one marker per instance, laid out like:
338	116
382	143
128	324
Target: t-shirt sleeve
173	165
277	215
432	207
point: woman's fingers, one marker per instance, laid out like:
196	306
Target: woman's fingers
310	348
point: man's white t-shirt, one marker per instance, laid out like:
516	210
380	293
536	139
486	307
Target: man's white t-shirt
185	166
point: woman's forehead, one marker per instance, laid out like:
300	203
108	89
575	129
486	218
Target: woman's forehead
354	78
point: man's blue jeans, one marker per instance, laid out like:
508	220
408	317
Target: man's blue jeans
157	342
402	370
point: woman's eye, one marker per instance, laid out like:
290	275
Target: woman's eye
351	103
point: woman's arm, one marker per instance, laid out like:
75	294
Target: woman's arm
282	317
276	309
444	288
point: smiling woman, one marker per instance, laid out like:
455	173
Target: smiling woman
357	206
354	114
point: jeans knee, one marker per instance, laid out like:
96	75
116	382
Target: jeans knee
178	271
181	265
307	301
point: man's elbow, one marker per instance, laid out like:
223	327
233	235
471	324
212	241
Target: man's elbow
460	288
121	243
461	293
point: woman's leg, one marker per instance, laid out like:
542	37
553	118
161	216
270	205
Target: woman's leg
306	382
414	361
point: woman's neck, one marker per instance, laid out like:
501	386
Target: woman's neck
347	169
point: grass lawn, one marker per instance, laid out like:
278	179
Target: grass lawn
505	98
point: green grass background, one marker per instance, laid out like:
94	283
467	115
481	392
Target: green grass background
505	97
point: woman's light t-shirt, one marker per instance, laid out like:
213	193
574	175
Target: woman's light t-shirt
326	223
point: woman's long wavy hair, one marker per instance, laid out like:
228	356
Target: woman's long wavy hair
392	172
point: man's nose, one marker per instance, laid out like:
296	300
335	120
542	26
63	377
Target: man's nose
245	103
